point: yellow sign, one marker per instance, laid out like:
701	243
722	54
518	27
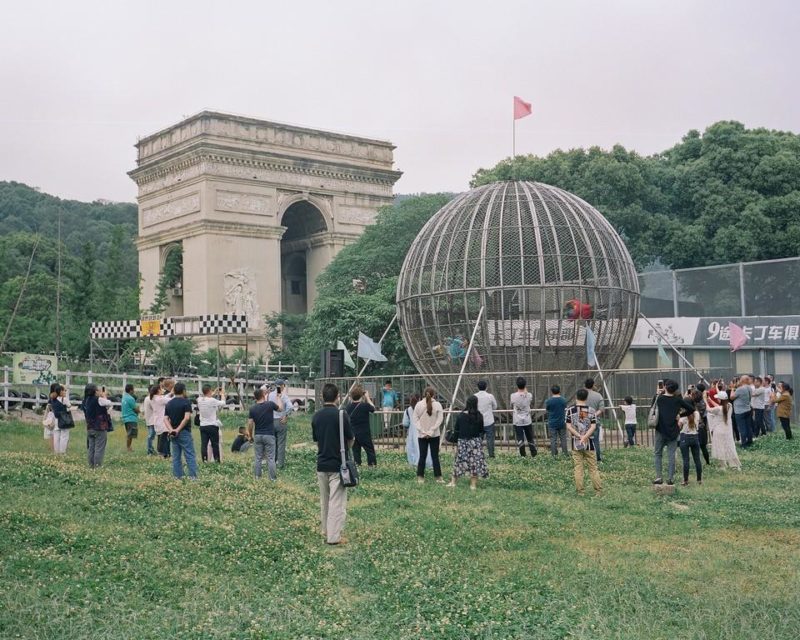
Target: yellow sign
150	328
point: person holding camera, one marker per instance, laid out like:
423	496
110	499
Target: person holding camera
207	406
723	446
261	431
59	405
281	420
670	403
157	406
178	420
95	407
742	395
359	411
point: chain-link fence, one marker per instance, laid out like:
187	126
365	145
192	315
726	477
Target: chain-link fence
740	289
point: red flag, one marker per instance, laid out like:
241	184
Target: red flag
521	108
738	337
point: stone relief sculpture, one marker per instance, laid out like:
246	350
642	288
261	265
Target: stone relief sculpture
240	296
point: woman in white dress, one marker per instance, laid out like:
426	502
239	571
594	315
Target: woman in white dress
723	447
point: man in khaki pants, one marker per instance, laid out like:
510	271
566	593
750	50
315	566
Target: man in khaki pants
581	424
332	493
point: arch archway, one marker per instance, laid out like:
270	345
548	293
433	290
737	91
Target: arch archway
303	220
171	276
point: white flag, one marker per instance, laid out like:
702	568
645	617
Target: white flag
591	341
348	359
368	349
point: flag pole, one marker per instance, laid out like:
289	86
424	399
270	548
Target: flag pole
513	137
464	365
611	404
680	355
367	361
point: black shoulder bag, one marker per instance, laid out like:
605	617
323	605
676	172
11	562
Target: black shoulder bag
348	471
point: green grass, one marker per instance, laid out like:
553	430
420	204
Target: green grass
127	552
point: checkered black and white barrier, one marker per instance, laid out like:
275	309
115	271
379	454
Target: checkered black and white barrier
206	325
222	323
115	330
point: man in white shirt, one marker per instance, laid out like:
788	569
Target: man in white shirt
521	401
769	406
281	421
487	405
758	396
207	406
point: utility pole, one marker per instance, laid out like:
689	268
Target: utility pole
58	292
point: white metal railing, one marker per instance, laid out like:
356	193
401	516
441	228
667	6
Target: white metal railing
115	384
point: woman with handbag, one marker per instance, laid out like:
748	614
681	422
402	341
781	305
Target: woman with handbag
158	405
98	423
59	405
469	454
429	415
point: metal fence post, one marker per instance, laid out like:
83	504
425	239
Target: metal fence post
741	290
675	293
5	388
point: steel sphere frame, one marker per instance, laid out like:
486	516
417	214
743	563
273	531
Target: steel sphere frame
543	263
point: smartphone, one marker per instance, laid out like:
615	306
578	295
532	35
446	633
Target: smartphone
660	385
691	387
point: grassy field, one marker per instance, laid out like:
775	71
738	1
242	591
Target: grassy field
127	552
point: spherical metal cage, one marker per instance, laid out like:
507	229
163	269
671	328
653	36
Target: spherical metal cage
542	263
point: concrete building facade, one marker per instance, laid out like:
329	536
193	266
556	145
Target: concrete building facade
258	209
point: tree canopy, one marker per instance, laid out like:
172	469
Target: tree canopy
731	194
99	267
374	262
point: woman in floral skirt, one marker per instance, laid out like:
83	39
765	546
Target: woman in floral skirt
469	455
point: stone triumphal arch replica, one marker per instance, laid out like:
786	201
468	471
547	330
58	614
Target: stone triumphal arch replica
258	209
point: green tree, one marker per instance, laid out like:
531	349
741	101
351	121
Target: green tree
725	195
374	262
169	277
175	356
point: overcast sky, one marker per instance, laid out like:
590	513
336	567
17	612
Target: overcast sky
79	80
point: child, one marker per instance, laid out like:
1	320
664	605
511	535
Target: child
629	409
241	443
581	424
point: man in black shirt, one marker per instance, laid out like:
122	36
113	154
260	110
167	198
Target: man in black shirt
178	419
670	404
332	493
261	429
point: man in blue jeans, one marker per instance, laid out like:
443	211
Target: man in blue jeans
742	396
178	419
487	405
282	421
596	402
261	430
